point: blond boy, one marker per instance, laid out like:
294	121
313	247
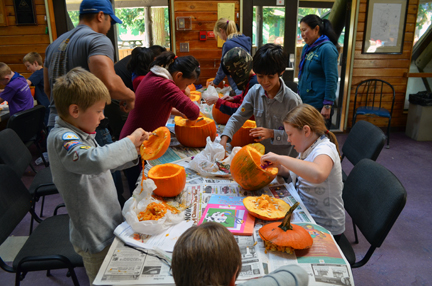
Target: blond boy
33	63
16	92
82	169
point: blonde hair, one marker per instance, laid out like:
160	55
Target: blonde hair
306	114
228	26
4	70
33	57
207	254
78	87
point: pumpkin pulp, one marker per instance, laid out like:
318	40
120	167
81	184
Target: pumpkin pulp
170	179
285	236
195	95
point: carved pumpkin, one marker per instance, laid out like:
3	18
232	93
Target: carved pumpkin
266	208
285	237
246	169
156	145
219	116
170	179
241	137
195	96
193	133
259	147
192	87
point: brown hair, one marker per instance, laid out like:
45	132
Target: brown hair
4	70
78	87
228	26
207	254
305	114
33	57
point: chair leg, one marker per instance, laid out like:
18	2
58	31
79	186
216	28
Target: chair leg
73	276
17	279
355	233
48	273
388	134
42	206
354	120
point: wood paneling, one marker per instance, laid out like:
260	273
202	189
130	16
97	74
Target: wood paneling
391	68
17	41
204	17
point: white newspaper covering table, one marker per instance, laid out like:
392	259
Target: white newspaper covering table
324	261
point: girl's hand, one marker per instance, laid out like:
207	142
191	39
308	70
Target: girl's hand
271	158
261	133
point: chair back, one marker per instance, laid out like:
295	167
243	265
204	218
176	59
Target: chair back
13	152
28	123
15	201
374	198
364	141
371	92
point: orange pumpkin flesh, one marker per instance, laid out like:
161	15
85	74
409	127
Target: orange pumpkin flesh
193	133
156	145
266	208
170	179
241	137
247	172
285	237
195	95
259	147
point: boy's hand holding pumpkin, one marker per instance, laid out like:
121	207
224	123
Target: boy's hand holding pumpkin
137	138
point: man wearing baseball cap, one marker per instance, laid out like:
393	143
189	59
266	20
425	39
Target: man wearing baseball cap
87	46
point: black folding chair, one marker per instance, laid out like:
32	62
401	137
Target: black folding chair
29	125
17	156
372	95
48	247
374	198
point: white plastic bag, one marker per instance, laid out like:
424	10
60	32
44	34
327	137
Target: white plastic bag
207	162
210	93
138	203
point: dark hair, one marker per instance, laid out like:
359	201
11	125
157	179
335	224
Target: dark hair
140	61
270	59
325	27
157	50
89	17
188	65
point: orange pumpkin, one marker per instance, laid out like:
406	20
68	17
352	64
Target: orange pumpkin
246	169
193	133
209	80
195	96
192	87
241	137
266	208
170	179
156	145
259	147
285	237
219	116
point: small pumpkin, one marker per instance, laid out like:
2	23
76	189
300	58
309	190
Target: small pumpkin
285	236
157	144
193	133
241	137
259	147
192	87
195	96
170	179
266	208
246	169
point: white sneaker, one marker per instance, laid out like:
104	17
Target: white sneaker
39	160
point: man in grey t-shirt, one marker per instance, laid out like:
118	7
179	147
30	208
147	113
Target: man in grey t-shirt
87	46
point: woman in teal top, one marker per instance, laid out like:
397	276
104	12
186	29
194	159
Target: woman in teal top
318	74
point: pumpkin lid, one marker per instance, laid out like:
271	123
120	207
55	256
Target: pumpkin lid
249	124
266	207
156	145
165	171
201	121
259	147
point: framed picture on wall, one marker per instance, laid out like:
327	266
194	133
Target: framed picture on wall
3	16
25	12
385	26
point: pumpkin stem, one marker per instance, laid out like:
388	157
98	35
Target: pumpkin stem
286	223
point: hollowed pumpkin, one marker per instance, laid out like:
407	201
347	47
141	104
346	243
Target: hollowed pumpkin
285	237
241	137
266	208
246	169
259	147
195	95
219	116
193	133
156	145
170	179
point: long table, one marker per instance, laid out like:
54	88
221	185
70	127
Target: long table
324	261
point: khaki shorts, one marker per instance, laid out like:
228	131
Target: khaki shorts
92	262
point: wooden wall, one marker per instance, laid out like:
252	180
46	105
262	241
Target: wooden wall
204	17
391	68
17	41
